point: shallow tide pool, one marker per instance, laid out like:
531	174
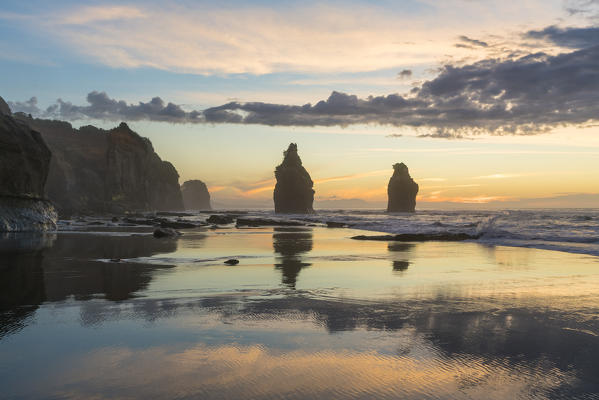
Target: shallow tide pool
307	313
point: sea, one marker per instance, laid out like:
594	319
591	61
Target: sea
568	230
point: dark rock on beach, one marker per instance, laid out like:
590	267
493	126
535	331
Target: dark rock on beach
293	191
195	195
164	223
420	237
165	232
24	165
333	224
402	190
220	219
254	222
232	261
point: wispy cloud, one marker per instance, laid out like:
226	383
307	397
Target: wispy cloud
87	15
307	37
498	176
354	176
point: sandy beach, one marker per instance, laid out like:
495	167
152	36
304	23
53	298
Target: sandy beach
307	313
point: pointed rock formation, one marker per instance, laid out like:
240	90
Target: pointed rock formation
195	195
402	190
293	191
24	164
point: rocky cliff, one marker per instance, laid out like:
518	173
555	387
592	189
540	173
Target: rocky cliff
293	191
195	195
24	165
402	190
95	170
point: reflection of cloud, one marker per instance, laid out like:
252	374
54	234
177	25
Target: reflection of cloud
231	371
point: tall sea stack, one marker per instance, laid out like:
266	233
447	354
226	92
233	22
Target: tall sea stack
293	191
195	195
402	190
24	165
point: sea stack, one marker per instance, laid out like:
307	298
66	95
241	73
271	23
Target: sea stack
195	195
24	165
402	190
293	191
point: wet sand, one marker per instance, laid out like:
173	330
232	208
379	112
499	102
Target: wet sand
307	313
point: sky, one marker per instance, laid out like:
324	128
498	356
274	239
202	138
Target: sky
491	104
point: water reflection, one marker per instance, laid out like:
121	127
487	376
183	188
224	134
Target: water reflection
291	245
76	265
521	341
399	252
21	289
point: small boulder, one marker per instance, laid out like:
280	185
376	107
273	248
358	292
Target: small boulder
232	261
334	224
165	232
220	219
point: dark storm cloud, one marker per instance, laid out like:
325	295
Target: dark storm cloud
524	95
574	38
518	95
102	107
473	42
28	107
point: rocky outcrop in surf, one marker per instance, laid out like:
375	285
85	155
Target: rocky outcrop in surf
402	190
95	170
293	191
24	164
195	195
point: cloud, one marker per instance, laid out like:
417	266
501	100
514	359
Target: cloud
575	38
523	95
101	106
91	14
498	176
28	106
473	42
405	74
307	37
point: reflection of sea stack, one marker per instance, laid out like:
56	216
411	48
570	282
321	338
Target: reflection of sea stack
293	191
290	247
195	195
402	190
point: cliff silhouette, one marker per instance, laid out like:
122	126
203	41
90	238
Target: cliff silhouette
93	170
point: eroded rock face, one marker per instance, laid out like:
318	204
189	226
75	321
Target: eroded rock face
293	192
402	190
24	164
136	176
94	170
195	195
